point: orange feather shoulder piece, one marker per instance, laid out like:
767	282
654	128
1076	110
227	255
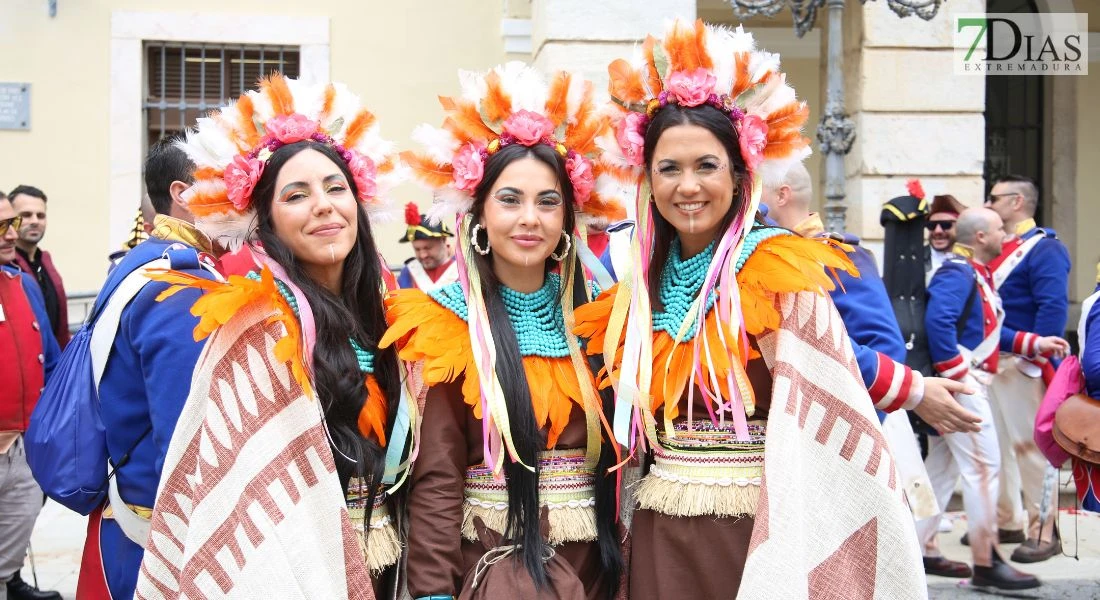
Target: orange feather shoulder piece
221	300
424	330
778	265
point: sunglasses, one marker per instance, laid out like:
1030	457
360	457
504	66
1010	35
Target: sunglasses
944	225
13	223
993	198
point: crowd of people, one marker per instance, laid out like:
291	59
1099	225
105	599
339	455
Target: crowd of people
548	400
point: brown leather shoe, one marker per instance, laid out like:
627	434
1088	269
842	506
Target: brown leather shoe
944	567
1004	536
1003	576
1032	551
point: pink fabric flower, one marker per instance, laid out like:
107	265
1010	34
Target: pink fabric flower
753	138
240	179
582	178
468	167
290	128
628	132
691	89
364	172
528	127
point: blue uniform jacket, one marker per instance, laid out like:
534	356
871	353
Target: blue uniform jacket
145	384
1090	352
948	292
1035	295
50	349
876	339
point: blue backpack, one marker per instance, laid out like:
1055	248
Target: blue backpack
66	442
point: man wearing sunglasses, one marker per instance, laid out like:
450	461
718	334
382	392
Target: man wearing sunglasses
1032	277
29	203
28	352
942	215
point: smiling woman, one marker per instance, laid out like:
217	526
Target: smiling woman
293	362
515	459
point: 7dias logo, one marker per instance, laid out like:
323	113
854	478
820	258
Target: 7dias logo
1021	44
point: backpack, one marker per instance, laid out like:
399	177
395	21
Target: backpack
66	442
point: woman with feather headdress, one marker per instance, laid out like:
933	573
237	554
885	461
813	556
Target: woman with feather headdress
281	474
511	496
767	475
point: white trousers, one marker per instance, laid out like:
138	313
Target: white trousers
1015	398
977	458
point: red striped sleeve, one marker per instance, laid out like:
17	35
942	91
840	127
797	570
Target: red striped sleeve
952	368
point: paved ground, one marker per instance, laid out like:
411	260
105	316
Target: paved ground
59	538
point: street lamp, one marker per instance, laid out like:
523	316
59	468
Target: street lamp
835	133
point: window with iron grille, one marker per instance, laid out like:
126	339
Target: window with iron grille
185	81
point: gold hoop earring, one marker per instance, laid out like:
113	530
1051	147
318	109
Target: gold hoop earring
565	252
473	241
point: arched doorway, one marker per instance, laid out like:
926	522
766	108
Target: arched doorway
1015	137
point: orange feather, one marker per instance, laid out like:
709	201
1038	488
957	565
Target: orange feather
330	97
497	103
742	80
206	204
372	417
248	124
653	78
465	123
282	101
556	101
427	170
625	83
358	126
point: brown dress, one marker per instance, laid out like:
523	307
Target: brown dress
694	557
451	441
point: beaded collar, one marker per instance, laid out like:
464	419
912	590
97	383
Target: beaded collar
363	356
536	317
682	279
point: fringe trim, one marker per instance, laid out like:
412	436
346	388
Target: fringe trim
381	548
567	523
680	499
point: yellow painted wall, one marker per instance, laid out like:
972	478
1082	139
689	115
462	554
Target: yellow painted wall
1087	252
398	56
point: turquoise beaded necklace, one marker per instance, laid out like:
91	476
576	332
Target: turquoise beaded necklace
536	317
362	355
682	279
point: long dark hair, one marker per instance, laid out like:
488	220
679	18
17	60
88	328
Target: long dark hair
355	313
523	492
721	127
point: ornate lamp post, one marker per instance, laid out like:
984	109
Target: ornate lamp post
836	132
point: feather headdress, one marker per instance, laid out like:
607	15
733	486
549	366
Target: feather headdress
231	146
515	104
712	65
690	66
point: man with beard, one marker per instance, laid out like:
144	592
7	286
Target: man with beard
941	232
1032	276
433	264
30	205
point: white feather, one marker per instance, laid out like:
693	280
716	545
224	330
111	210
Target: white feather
473	86
438	143
447	203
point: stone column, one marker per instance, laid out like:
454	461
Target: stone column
914	116
585	35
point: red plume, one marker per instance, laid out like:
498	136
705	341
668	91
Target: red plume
915	189
412	214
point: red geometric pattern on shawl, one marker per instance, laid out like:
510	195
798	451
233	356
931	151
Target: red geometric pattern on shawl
830	503
249	503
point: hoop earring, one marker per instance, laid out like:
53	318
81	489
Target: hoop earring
473	241
565	252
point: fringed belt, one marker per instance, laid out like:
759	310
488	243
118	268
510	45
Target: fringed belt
705	471
381	547
566	488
